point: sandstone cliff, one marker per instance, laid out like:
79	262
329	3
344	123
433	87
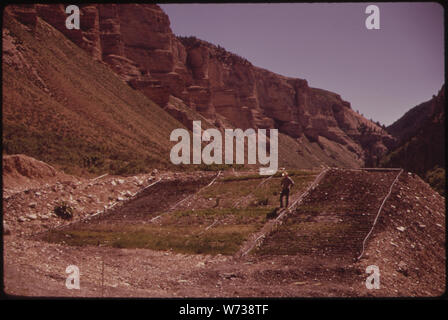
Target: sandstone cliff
135	41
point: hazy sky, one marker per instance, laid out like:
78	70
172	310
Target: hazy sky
383	73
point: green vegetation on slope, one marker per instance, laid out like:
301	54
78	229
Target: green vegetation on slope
63	108
436	179
183	231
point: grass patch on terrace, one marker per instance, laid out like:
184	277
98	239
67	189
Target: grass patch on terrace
232	189
310	208
238	214
181	231
277	175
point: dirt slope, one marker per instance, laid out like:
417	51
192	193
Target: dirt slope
408	243
21	172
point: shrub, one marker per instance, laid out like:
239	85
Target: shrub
262	201
64	210
272	214
436	179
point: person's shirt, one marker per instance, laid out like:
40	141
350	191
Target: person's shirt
287	182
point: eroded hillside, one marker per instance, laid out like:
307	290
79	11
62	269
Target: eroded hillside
63	108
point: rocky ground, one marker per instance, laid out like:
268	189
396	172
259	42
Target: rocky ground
407	244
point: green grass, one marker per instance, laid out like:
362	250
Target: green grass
231	190
261	177
233	215
223	239
175	233
311	208
436	179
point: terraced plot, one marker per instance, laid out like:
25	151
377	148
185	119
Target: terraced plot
335	218
188	217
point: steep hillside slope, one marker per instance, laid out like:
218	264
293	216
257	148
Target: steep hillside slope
136	41
421	146
63	108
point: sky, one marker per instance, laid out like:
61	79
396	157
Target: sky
382	73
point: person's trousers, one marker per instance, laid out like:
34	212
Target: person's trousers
284	193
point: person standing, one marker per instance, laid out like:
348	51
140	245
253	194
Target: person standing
286	185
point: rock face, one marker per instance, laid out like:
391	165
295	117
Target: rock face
136	41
